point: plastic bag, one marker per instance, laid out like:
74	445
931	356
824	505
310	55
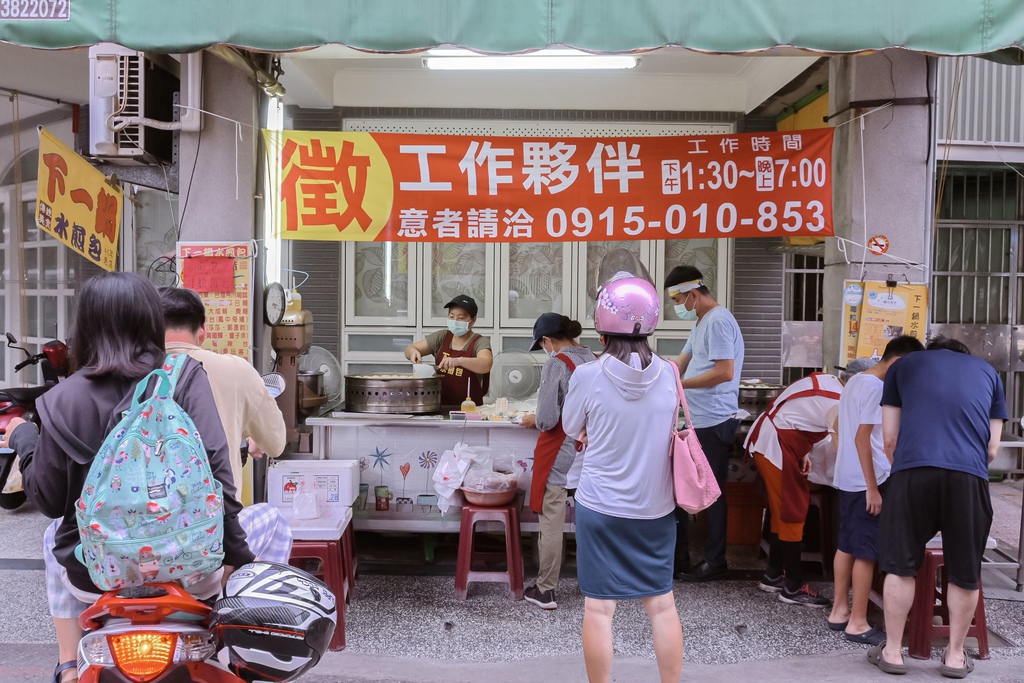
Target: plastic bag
490	482
448	476
305	505
823	462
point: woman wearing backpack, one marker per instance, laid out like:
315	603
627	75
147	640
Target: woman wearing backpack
119	339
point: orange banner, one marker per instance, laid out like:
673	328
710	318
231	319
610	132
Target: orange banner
448	188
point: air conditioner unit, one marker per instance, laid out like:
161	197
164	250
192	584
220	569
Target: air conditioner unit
126	84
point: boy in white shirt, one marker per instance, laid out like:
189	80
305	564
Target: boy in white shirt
860	474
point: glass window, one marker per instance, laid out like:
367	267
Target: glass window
535	279
596	252
702	255
381	279
458	269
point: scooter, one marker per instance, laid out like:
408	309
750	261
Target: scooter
21	402
149	634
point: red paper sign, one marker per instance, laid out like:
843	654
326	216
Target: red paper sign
209	273
449	188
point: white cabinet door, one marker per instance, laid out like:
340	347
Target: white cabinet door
451	269
536	277
382	283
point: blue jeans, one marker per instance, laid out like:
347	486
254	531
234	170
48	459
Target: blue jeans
717	444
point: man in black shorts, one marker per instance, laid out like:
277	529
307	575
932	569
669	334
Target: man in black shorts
942	417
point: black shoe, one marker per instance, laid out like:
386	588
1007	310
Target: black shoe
770	585
705	572
543	599
804	596
681	567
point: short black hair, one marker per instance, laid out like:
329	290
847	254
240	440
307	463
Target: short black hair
681	274
183	309
941	343
901	346
118	328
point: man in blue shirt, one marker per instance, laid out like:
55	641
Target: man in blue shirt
710	364
942	419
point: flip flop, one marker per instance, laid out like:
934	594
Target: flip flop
837	626
876	658
956	672
874	636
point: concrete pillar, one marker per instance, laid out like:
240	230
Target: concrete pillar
896	191
208	205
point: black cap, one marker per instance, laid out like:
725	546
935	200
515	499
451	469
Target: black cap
547	324
464	302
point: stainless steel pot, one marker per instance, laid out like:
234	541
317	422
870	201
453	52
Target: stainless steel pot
755	398
383	394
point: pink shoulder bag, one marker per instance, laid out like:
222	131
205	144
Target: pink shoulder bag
692	478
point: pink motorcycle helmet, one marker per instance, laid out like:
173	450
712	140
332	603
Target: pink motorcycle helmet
627	305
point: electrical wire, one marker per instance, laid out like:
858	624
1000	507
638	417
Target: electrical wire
188	190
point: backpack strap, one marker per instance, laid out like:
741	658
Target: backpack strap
167	376
174	365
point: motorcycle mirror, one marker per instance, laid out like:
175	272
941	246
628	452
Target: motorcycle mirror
11	341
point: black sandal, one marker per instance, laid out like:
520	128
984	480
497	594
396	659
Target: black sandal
61	668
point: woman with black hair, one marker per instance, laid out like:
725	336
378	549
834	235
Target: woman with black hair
118	339
555	453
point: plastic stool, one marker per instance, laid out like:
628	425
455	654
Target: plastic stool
329	555
349	563
507	515
930	602
826	547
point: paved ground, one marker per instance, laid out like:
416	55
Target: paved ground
411	629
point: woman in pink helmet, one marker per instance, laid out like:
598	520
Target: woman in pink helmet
625	405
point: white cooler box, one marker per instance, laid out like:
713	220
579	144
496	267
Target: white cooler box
336	483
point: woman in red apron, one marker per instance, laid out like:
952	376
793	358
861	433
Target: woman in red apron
555	452
780	442
462	357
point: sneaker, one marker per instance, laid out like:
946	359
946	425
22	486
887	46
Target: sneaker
770	585
805	596
543	599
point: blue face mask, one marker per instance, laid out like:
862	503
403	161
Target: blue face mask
684	313
458	327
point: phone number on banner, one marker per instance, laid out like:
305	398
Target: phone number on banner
678	221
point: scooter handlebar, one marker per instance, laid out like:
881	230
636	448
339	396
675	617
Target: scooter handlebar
32	360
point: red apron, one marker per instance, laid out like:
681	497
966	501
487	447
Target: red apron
455	381
795	444
545	453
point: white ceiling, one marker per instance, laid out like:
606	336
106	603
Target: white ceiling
666	79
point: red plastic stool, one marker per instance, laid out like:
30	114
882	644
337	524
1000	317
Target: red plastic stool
331	570
507	515
930	602
349	563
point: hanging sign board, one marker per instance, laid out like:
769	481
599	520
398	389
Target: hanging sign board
76	204
446	188
874	313
221	274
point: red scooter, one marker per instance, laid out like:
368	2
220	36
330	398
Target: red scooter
21	402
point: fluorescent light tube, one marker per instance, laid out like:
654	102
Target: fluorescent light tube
552	60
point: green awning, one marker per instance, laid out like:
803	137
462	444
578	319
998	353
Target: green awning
949	27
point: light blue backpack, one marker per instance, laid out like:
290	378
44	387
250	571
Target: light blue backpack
150	509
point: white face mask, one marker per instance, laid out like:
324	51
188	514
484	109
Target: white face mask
458	327
684	313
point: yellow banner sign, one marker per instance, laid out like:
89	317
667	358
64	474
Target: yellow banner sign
76	204
874	313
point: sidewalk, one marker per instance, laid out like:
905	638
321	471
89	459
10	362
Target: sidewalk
411	629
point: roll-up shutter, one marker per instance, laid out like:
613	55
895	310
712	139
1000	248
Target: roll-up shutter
758	305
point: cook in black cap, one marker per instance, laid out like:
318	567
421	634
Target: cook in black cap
462	357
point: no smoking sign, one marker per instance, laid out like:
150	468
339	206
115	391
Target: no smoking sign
878	245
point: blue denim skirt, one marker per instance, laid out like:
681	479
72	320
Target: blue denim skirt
620	559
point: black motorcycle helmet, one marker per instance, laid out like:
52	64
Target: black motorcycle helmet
275	621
